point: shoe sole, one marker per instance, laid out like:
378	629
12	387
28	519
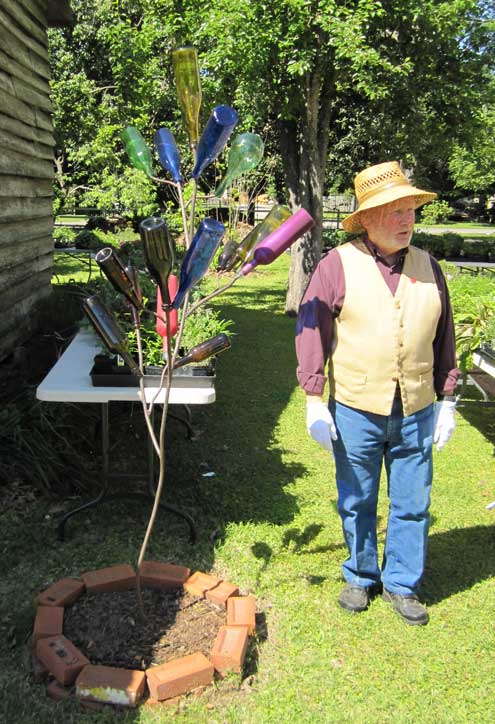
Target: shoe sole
352	609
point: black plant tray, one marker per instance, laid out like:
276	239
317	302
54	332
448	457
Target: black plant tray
488	352
107	373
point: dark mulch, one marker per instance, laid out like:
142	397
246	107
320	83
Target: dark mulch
108	629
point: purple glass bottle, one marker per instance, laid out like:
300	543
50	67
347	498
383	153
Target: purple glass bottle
279	240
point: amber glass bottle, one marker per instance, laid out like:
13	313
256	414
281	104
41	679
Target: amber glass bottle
206	349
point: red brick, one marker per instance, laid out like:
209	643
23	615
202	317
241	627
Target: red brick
39	670
61	658
179	676
229	648
56	691
164	576
241	611
109	685
49	621
199	583
92	705
221	593
113	578
62	593
173	702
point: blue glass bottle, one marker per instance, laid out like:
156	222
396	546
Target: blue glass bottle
168	153
213	139
198	257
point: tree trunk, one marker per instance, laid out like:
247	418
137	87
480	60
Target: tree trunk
304	148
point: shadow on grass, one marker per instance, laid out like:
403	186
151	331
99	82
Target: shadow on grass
237	440
232	470
457	560
480	415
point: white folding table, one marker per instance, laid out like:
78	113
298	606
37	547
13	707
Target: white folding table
69	380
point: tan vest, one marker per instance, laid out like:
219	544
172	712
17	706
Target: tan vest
380	339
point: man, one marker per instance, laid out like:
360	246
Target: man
378	311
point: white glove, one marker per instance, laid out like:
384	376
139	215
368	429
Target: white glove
320	424
443	422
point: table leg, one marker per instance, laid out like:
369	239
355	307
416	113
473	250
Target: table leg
105	449
187	422
151	456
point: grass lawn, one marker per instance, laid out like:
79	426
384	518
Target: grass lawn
482	232
267	520
69	218
459	225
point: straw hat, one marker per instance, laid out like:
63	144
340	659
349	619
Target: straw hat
380	184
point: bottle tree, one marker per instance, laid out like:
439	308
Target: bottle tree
266	242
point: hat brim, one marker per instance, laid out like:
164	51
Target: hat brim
352	222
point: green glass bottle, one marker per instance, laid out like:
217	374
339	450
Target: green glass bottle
188	85
277	215
137	150
245	154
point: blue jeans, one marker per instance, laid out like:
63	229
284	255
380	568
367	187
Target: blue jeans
404	444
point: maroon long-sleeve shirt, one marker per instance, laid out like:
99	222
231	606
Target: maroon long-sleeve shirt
324	299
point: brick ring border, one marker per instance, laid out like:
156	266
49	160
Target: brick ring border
94	684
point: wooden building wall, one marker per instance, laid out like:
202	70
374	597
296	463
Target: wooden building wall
26	163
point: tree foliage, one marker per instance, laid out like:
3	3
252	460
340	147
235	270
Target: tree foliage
472	164
332	85
344	84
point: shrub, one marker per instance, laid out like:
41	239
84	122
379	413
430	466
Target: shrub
452	244
475	250
335	237
432	243
436	212
63	237
439	245
88	240
97	222
474	314
96	239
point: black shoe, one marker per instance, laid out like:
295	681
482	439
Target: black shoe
408	607
354	598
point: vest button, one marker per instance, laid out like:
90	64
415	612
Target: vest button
394	379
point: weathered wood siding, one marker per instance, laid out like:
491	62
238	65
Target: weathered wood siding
26	163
